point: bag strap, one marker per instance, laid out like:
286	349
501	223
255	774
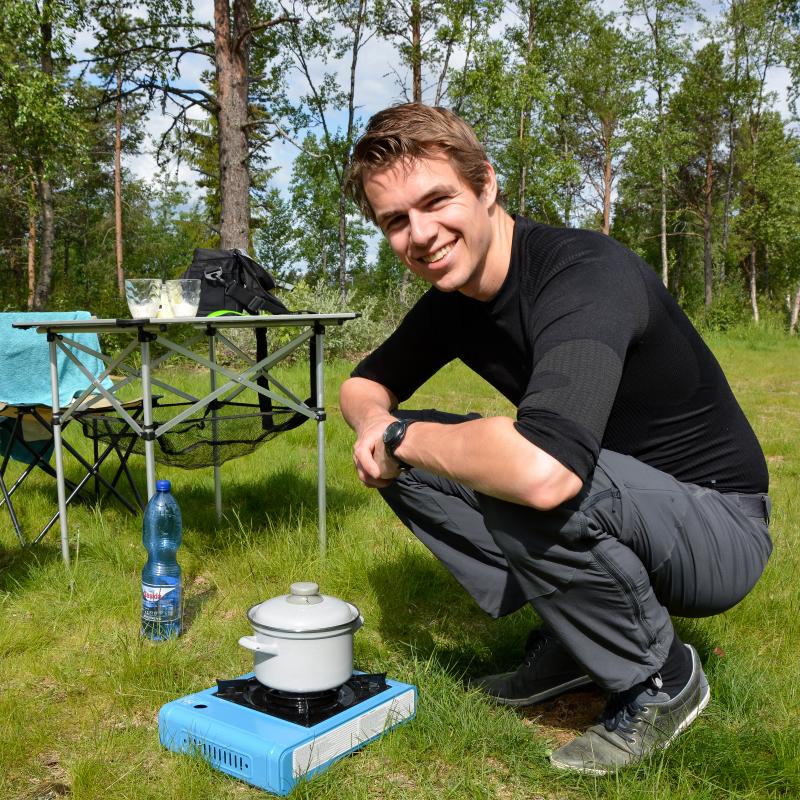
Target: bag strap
252	302
264	402
246	298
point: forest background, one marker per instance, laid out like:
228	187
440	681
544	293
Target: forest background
656	123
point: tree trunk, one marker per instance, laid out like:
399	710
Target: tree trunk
522	164
795	312
362	8
118	190
664	255
231	55
524	112
31	248
752	282
342	243
416	87
41	294
416	51
708	211
726	212
607	179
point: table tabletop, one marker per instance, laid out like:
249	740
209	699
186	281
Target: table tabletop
163	324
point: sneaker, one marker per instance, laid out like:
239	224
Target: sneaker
547	671
636	723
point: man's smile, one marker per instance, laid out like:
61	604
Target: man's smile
439	254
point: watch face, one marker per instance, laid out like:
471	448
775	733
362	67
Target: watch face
394	433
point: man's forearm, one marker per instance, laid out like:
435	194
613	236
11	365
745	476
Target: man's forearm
362	400
491	456
488	455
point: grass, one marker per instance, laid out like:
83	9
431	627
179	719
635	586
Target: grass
81	690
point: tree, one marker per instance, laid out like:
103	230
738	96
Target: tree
338	29
38	116
699	110
315	195
275	241
662	48
758	34
513	92
602	84
153	49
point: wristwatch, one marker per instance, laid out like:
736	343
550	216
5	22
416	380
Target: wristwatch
393	436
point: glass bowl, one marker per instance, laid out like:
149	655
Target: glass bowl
143	296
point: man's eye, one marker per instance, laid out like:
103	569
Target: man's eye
393	224
438	201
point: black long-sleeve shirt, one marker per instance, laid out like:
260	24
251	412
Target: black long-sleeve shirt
585	340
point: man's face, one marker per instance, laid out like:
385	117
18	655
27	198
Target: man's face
433	220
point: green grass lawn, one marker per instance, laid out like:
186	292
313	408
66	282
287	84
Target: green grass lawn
81	690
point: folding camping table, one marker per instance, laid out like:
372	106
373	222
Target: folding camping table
135	363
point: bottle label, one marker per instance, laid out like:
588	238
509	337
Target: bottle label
161	604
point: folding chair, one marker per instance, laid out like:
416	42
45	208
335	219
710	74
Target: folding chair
26	416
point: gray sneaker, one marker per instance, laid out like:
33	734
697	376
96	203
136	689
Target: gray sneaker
636	723
547	671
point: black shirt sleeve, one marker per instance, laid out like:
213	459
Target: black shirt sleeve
585	323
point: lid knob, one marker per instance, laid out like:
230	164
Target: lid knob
304	593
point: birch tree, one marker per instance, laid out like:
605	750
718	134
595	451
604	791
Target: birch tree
699	110
663	47
602	83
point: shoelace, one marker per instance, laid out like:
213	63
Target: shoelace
536	641
622	708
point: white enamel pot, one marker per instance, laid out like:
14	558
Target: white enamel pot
303	640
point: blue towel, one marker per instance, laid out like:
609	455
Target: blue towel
25	361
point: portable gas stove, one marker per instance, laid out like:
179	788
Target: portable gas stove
273	739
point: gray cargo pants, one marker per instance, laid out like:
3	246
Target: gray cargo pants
605	570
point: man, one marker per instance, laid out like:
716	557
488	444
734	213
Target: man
629	486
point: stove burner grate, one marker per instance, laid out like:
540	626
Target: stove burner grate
302	708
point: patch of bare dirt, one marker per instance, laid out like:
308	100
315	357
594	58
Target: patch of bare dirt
567	716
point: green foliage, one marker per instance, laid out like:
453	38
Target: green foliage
352	340
728	311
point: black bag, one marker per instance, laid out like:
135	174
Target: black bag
232	281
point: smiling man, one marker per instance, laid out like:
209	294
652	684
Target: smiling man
628	487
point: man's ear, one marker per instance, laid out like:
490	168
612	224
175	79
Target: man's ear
489	191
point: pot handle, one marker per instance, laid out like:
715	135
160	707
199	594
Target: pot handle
251	643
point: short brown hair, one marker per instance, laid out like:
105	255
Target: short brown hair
413	131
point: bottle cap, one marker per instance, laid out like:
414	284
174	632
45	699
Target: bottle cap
163	486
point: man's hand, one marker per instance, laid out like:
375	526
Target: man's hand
375	467
365	406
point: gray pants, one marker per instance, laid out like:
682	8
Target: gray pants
605	570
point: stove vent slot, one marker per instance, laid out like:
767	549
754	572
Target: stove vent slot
221	757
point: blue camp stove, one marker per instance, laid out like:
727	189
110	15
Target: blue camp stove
273	739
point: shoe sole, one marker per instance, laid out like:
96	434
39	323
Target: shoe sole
704	700
540	697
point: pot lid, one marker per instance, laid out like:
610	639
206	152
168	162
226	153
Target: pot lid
304	609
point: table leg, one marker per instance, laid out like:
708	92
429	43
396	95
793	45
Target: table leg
319	336
147	400
212	357
56	405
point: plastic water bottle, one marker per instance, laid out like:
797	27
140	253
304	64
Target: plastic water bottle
162	589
